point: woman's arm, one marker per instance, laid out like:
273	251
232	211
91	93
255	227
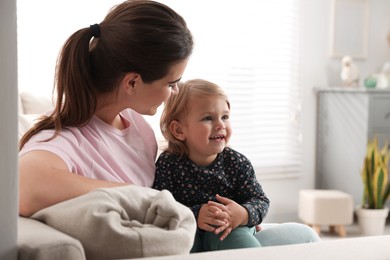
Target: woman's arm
44	180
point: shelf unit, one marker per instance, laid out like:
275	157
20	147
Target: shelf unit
346	119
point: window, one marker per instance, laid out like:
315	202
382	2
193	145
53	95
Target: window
249	47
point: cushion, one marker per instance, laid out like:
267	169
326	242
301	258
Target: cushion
30	108
25	121
33	104
41	242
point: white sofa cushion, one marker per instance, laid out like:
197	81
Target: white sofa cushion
34	104
30	107
40	242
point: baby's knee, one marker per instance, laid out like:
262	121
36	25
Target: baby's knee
306	233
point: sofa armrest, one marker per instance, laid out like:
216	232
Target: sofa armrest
41	242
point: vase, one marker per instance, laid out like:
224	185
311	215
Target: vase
372	221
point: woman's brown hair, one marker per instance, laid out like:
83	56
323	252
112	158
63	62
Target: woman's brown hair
139	36
176	109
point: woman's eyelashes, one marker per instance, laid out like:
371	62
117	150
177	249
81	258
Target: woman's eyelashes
173	85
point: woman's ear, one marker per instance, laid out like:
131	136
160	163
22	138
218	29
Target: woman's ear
130	81
177	131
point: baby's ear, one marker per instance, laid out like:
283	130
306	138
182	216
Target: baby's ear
176	130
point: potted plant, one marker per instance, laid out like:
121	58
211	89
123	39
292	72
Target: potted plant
373	212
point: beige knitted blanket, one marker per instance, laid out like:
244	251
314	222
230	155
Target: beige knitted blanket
124	222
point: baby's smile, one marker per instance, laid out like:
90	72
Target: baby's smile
218	138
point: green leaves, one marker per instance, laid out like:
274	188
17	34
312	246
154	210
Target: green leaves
375	176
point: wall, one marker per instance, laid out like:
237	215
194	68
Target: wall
319	70
8	130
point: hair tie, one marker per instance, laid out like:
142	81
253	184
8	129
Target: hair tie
95	28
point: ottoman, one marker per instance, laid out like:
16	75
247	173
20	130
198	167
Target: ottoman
332	208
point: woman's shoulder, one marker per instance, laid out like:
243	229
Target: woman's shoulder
132	115
137	119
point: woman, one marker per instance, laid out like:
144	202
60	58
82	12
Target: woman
107	76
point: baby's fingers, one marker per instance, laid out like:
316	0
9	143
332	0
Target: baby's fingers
217	205
216	223
218	213
222	227
206	227
225	233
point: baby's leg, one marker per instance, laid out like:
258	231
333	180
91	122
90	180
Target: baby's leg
241	237
286	234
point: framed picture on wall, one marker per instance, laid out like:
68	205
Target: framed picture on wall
349	28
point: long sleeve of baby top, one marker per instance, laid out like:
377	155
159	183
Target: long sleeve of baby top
230	175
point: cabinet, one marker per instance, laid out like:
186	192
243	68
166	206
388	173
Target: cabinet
346	119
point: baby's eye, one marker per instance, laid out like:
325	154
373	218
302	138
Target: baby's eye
207	118
225	117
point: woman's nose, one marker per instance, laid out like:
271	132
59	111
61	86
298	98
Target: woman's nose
175	89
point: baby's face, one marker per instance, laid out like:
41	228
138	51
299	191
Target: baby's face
206	128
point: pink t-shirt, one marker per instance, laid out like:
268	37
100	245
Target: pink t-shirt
101	151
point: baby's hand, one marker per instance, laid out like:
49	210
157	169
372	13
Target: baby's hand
211	218
238	215
258	228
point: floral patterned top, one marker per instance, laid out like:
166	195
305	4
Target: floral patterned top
230	175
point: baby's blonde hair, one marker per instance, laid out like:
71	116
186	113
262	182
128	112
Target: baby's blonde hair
176	108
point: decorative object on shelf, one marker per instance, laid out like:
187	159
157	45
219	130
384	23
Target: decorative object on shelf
386	67
379	80
383	79
373	213
370	81
349	72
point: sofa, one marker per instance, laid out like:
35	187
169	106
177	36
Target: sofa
42	242
42	238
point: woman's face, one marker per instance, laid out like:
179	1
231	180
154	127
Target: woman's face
151	95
